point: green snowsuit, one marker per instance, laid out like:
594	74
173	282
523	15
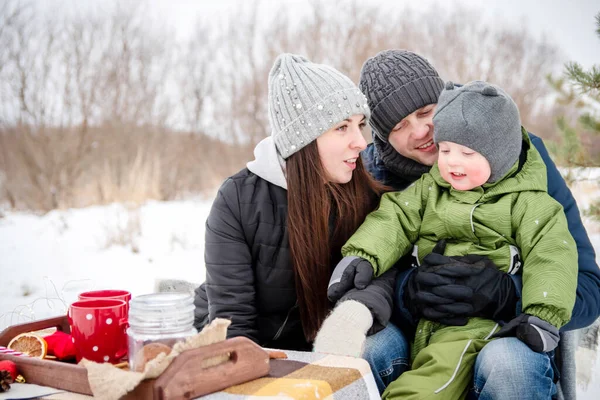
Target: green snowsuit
493	220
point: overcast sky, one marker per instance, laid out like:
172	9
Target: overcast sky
570	23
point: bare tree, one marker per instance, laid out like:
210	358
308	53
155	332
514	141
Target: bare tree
103	107
195	77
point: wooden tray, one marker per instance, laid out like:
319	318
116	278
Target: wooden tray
185	378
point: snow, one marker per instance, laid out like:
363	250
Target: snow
46	260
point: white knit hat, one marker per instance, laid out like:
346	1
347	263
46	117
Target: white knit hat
307	99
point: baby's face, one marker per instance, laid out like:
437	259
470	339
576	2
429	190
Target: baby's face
462	167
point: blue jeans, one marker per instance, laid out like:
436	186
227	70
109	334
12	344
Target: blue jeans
507	369
388	354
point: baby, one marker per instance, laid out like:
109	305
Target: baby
486	195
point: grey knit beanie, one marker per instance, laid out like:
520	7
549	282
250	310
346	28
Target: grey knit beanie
307	99
397	83
484	118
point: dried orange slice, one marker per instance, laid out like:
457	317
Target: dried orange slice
30	344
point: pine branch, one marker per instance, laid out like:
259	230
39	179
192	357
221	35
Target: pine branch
586	81
565	96
590	123
556	83
571	149
593	211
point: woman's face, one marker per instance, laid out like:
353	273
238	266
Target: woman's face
340	147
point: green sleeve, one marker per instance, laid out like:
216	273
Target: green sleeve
389	232
549	257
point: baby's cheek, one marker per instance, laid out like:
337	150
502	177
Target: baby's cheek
443	167
479	176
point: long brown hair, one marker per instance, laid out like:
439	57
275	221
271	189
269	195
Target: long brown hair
314	248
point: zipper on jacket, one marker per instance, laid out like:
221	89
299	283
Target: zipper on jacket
471	217
284	322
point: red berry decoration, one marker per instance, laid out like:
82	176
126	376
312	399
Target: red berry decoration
8	374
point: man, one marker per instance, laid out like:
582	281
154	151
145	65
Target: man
402	89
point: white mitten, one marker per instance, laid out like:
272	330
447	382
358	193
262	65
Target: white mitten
344	331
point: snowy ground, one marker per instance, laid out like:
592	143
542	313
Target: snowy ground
45	261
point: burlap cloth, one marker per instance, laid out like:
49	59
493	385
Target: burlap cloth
111	383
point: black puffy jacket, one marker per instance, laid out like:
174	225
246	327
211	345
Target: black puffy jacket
249	274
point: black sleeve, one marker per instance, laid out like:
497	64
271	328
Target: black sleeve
378	297
201	310
229	274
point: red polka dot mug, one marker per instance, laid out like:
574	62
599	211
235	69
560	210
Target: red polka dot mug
107	294
98	329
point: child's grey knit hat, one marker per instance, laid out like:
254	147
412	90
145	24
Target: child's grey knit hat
307	99
484	118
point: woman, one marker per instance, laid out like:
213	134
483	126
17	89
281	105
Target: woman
275	229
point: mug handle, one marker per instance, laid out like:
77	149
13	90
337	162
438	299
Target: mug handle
123	352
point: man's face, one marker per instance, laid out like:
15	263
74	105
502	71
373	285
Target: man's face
413	136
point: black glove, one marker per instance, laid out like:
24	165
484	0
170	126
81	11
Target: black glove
452	289
539	335
351	272
378	296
